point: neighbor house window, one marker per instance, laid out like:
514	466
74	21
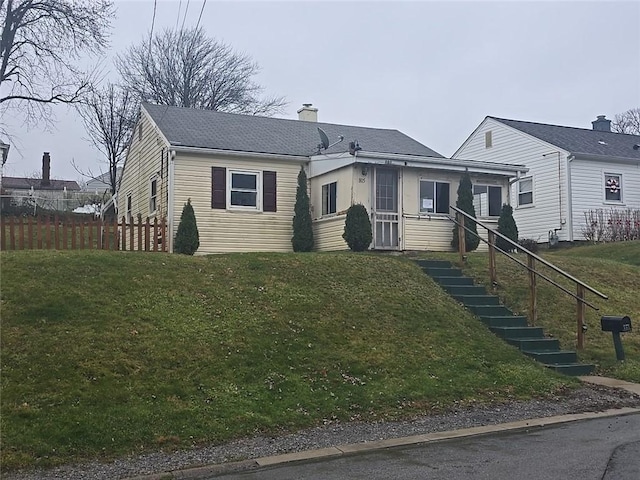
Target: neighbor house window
434	197
612	187
329	198
487	200
525	191
129	204
153	195
236	189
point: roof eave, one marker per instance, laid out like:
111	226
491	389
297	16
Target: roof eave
238	153
604	158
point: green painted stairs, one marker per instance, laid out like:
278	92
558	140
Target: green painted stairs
501	321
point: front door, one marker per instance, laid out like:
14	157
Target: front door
385	214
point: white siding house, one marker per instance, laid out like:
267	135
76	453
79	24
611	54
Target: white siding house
571	171
240	173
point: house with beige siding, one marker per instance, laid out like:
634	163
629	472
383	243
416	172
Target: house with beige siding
572	172
240	172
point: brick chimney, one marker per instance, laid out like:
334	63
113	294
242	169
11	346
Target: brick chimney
601	124
307	113
46	170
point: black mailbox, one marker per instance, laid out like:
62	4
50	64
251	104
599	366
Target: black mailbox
616	324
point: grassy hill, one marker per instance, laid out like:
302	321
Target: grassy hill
109	353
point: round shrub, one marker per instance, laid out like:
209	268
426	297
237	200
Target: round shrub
357	228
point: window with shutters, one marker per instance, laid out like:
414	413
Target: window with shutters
434	197
243	190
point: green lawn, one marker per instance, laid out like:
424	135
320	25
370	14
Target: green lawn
110	353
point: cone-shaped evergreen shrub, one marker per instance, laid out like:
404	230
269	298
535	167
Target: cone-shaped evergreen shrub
302	240
357	228
465	203
507	227
187	237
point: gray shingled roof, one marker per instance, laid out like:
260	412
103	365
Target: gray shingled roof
25	183
248	133
580	140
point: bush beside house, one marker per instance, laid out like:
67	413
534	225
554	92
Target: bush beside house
507	227
465	203
357	228
187	237
302	240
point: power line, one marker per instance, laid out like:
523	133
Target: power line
153	22
178	17
186	9
201	10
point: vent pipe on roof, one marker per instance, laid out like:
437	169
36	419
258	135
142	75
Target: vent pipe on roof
307	113
46	169
601	124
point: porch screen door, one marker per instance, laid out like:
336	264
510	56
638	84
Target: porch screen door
386	214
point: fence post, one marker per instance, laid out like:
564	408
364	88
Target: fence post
3	245
124	233
12	238
73	234
139	232
155	234
56	232
90	239
147	234
66	223
39	233
462	248
47	232
163	232
492	258
580	316
533	295
30	231
21	234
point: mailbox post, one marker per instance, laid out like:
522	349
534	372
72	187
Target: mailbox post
616	325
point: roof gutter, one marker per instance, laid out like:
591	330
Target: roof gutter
440	163
235	153
604	158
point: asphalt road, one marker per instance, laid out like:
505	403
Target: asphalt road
600	449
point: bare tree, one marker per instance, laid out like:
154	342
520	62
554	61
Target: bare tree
40	44
109	114
627	122
188	69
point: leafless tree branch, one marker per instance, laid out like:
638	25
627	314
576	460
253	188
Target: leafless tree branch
188	69
109	114
627	122
40	44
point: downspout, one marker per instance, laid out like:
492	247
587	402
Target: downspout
570	159
171	197
560	222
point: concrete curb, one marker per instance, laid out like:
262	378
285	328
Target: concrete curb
341	450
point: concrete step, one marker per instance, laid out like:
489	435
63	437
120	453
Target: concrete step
448	281
434	263
465	289
504	320
490	310
443	272
573	369
518	332
477	300
553	358
535	344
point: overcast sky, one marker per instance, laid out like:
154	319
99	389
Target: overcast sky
432	70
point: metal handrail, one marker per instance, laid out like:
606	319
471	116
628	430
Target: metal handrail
528	252
522	264
532	258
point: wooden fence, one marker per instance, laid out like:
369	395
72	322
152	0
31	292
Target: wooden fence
69	233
